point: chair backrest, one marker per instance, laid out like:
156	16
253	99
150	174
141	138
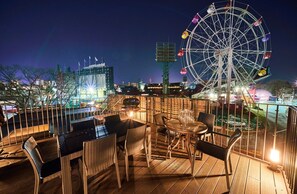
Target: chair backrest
159	119
113	119
83	124
218	151
135	138
111	122
73	142
208	120
234	138
99	154
32	151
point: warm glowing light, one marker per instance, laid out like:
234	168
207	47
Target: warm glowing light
131	114
274	156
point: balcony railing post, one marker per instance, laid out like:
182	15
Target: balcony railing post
275	128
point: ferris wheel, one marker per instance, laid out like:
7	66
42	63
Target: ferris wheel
226	44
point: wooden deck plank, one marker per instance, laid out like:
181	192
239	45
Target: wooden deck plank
253	178
167	182
163	176
213	178
197	181
183	181
279	184
221	186
267	180
148	182
240	175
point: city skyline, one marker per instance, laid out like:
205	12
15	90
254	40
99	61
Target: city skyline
123	34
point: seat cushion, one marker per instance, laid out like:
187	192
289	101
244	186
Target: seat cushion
162	130
211	149
50	167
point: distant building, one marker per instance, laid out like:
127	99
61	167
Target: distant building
157	88
95	82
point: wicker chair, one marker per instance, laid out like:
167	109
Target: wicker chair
222	153
43	170
160	127
208	120
98	155
135	142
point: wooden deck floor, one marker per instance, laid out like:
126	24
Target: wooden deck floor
163	176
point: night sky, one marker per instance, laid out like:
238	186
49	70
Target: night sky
44	33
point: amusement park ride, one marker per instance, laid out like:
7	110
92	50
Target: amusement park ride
226	46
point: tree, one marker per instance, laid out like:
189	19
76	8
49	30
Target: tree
20	84
278	87
31	87
65	85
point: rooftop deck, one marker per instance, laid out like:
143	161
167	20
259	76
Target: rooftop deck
266	127
163	176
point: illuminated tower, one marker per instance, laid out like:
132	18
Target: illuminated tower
165	54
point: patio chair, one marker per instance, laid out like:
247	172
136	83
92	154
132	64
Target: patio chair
222	153
134	143
160	127
111	122
208	120
98	155
43	170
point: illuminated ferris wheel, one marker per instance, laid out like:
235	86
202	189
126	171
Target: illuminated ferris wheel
225	45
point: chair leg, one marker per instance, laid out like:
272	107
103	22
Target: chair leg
118	173
85	181
212	138
127	166
193	162
230	165
227	174
156	142
80	169
146	154
36	185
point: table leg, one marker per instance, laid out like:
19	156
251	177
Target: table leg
170	147
149	140
66	174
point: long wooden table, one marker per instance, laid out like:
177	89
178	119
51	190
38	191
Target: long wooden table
73	149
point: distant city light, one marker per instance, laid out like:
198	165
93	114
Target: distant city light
91	89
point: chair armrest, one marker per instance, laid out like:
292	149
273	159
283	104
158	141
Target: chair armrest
221	134
165	119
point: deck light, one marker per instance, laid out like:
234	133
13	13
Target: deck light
274	160
131	114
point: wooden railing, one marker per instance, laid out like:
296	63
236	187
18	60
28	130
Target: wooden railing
264	125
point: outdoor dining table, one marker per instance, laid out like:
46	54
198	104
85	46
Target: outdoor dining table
192	129
71	146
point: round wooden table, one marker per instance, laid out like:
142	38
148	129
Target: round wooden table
187	130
